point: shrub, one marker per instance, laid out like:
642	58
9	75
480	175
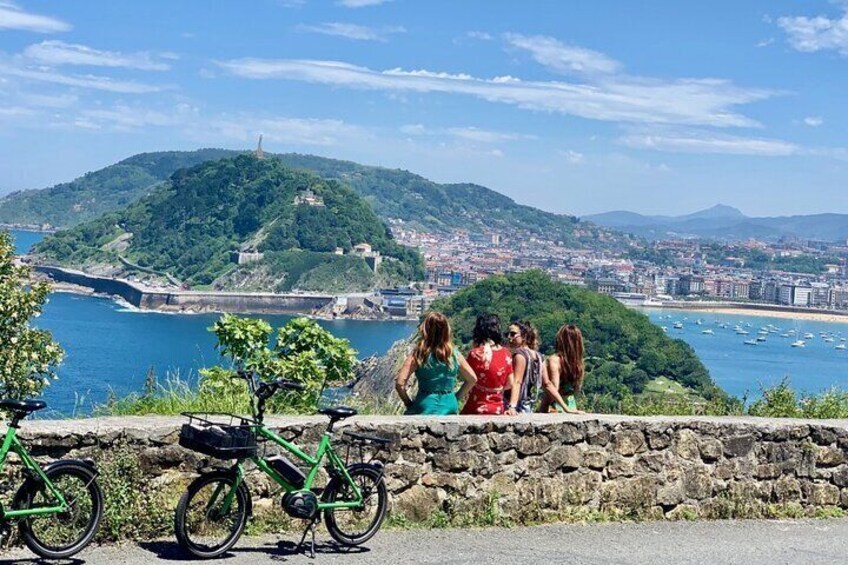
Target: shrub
28	356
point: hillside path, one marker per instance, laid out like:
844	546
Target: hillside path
750	542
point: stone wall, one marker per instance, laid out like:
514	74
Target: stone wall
538	467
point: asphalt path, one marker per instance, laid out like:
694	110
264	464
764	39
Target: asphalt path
750	542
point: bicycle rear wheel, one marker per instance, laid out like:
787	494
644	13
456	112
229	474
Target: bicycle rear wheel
62	534
202	526
355	526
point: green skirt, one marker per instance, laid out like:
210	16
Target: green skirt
434	404
568	400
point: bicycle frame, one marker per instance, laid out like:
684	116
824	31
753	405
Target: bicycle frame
325	449
13	444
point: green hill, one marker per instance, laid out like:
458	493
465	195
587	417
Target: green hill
626	354
188	227
95	193
393	194
398	194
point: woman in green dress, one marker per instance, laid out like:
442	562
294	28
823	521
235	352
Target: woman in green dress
565	371
436	365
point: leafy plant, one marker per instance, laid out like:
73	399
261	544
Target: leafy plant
28	355
303	351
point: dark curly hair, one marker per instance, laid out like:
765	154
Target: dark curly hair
487	327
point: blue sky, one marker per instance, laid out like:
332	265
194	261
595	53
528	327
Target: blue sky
574	107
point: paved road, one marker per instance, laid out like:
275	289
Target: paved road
713	543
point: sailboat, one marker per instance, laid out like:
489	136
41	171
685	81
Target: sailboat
799	343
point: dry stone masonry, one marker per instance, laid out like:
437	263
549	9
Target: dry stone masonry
538	467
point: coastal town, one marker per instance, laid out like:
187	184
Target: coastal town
805	274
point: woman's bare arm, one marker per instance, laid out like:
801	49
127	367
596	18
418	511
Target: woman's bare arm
409	366
550	381
468	378
519	365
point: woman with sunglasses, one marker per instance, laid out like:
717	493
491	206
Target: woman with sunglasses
436	364
565	372
492	363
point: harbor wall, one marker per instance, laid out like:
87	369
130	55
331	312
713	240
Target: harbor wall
190	301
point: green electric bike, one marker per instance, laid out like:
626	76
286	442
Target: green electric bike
58	508
213	513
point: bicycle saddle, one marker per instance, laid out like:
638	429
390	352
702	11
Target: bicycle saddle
338	412
26	406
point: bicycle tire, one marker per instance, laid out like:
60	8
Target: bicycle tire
370	481
81	479
239	514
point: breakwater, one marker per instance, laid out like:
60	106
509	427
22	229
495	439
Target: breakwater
532	467
165	300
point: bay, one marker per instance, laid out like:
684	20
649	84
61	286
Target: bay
112	348
24	240
742	369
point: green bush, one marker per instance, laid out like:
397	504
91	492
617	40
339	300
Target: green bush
28	356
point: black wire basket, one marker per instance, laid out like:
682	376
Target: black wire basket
219	434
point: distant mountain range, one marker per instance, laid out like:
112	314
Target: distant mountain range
726	223
394	194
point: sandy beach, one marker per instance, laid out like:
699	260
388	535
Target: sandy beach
763	312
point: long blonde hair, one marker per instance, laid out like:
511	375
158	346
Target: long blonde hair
569	347
434	338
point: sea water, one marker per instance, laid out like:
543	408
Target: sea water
109	347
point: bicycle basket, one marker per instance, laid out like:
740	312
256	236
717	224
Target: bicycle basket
223	436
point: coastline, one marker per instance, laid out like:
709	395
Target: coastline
27	227
755	310
139	298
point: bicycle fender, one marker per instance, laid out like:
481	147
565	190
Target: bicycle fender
231	473
34	481
376	467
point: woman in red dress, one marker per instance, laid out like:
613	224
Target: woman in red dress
492	364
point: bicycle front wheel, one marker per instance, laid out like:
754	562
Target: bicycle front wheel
355	526
204	527
62	534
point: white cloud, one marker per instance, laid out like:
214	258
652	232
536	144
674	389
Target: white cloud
573	157
290	131
563	58
704	142
361	3
82	81
620	99
60	53
470	133
352	31
813	121
765	42
481	35
13	17
819	33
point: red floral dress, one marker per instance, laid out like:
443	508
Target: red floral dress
487	395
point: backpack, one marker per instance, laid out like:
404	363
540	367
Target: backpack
532	382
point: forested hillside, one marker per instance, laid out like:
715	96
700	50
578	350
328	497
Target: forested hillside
394	194
624	350
104	190
188	227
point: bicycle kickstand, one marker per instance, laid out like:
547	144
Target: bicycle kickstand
309	529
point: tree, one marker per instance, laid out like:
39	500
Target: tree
28	356
304	352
